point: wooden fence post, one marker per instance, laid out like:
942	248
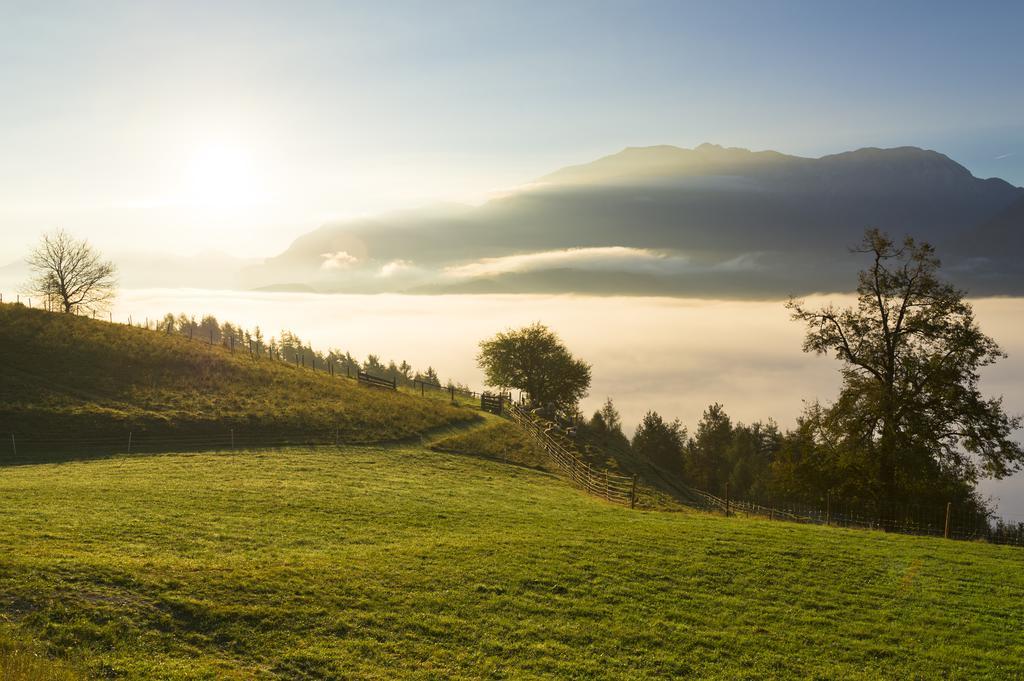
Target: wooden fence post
232	438
129	442
14	446
727	499
828	507
949	509
632	493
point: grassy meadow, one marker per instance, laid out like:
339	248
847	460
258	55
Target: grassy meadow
80	379
379	562
498	439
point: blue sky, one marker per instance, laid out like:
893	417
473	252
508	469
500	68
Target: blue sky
237	126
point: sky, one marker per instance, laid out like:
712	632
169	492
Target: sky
191	127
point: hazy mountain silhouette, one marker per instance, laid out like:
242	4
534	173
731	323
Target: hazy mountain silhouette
691	211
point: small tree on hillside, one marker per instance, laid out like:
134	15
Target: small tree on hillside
209	329
660	442
429	377
707	464
405	369
72	274
911	352
605	427
534	360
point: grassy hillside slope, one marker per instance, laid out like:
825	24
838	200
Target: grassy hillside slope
500	440
71	377
385	562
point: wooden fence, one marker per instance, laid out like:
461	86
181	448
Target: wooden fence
377	382
617	489
492	403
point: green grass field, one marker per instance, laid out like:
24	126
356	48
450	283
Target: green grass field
79	379
498	439
398	561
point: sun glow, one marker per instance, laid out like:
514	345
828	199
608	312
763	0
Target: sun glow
222	178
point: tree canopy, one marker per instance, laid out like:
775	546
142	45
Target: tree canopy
534	359
910	414
605	428
660	441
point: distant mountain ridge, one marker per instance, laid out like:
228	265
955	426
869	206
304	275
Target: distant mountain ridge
683	212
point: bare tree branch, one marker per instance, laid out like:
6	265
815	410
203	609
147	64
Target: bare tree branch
70	273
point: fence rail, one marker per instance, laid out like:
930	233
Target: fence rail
609	486
492	403
377	381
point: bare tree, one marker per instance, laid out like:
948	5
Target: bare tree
71	273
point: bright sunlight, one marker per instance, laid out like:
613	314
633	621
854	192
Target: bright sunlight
222	178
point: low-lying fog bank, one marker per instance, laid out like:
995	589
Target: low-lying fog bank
672	355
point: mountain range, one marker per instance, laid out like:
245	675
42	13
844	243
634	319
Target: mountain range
706	222
664	220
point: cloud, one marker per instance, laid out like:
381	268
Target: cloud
337	261
598	258
602	259
395	267
1000	157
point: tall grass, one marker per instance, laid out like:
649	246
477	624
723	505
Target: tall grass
25	662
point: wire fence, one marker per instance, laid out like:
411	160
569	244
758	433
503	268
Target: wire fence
951	521
19	450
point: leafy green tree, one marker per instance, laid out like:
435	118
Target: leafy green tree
429	377
605	428
660	442
707	464
817	457
534	359
209	329
909	408
405	370
749	459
